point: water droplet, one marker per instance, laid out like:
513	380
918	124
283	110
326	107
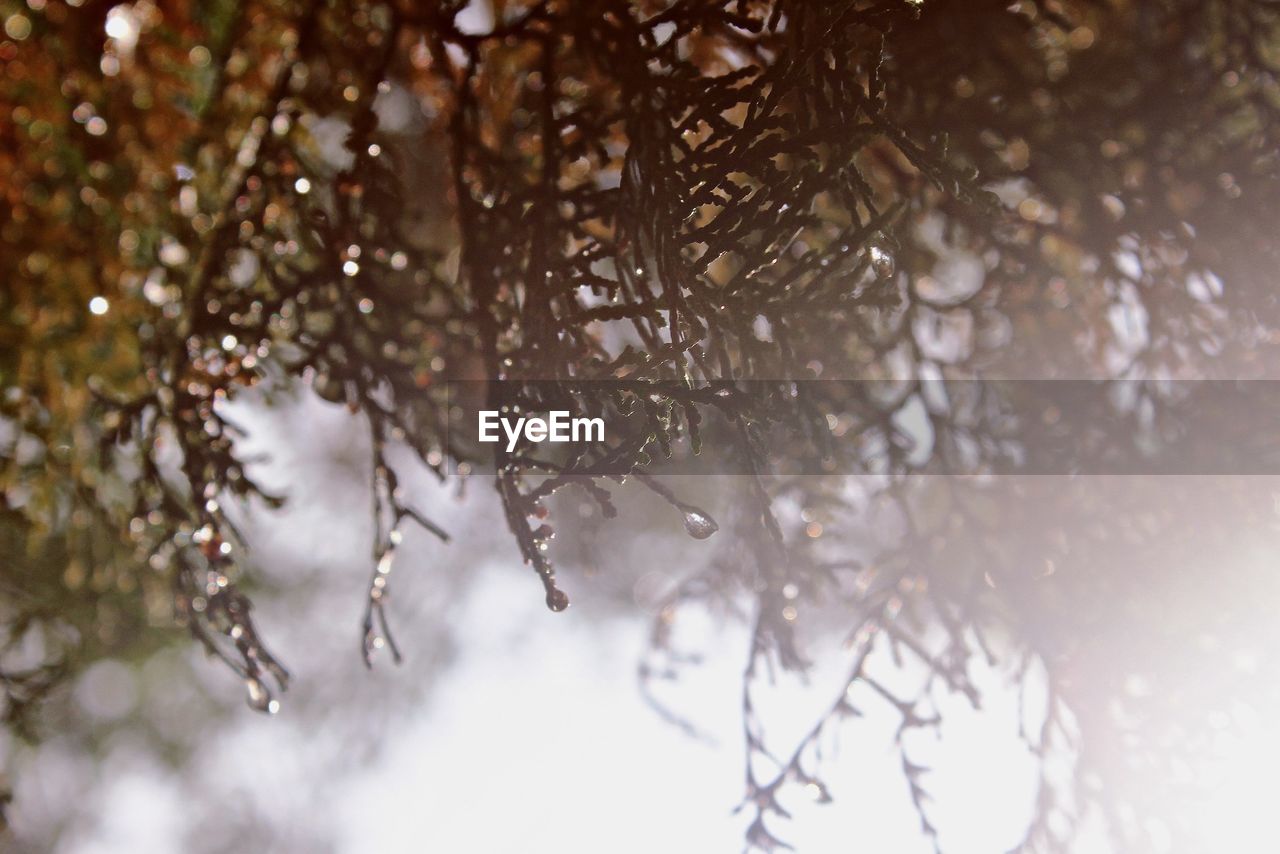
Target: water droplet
699	524
882	263
557	599
259	696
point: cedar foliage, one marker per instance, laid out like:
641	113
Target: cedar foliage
696	201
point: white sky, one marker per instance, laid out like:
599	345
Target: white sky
536	740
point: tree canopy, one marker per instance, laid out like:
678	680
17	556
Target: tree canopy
701	205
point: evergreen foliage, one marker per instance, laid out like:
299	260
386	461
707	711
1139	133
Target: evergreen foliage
698	202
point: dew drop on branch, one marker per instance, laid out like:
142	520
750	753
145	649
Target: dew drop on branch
557	599
699	524
882	262
259	697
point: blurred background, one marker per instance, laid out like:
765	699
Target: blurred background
506	728
510	728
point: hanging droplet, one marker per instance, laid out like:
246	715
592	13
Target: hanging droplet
699	524
259	696
557	599
882	263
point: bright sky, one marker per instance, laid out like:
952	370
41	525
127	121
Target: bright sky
535	739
